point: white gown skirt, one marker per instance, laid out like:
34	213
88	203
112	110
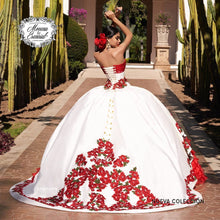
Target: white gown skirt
147	169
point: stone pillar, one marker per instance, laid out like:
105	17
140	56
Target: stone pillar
162	57
170	7
162	48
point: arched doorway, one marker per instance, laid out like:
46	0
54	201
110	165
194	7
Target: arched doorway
148	3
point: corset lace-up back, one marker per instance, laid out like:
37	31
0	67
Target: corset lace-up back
115	75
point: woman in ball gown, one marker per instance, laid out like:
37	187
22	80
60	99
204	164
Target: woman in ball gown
118	149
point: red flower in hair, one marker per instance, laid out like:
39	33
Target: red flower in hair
101	41
102	36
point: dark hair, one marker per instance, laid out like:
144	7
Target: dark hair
110	31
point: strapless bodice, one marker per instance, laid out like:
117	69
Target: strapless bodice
115	75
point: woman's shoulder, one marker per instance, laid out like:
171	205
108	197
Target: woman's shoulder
108	58
102	56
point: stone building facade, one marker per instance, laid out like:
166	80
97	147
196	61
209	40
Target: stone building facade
94	23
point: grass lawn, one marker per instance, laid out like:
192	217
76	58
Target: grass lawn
14	129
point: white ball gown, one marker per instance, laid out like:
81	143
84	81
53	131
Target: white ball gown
118	149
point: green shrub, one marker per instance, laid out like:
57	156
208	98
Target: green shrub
75	67
135	49
77	38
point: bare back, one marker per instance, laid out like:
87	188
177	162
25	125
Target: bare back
109	57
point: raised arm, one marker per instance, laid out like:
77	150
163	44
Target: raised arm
110	15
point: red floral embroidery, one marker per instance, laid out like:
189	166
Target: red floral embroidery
100	169
99	178
197	172
81	160
119	85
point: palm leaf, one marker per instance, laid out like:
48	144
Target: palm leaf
111	5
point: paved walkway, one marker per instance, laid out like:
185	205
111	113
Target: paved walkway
23	159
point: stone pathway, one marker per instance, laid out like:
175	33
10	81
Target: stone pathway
23	159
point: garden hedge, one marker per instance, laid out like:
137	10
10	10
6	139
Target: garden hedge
77	38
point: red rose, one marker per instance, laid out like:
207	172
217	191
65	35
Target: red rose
105	180
145	190
101	143
100	197
81	160
114	175
93	171
122	177
190	178
187	140
92	185
76	193
108	144
121	81
82	171
75	185
102	186
138	192
108	84
118	189
104	162
108	151
114	184
74	173
97	161
123	158
101	171
140	203
93	196
150	197
134	174
102	42
68	193
118	163
124	196
133	182
96	41
116	197
128	188
92	153
102	36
